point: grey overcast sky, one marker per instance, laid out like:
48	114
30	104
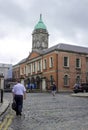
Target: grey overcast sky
66	22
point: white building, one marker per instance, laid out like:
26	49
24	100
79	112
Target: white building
6	70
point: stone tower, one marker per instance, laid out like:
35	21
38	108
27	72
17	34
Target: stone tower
40	36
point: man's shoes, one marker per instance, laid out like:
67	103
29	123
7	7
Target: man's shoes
18	114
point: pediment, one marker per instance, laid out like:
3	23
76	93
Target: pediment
33	55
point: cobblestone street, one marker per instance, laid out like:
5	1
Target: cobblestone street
42	111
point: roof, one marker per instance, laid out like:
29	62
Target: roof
22	61
73	48
61	47
67	47
40	24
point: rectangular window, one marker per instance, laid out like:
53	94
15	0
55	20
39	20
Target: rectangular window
66	64
78	63
44	64
22	71
66	80
39	66
51	61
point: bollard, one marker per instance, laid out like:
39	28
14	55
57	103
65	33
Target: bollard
1	95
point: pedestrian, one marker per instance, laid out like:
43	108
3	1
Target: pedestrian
19	93
77	86
53	89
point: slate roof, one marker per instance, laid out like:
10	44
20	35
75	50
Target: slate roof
61	47
22	61
67	47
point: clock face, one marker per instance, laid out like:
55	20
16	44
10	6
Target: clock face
40	41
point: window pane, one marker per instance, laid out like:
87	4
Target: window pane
45	64
65	61
66	80
78	79
77	62
51	62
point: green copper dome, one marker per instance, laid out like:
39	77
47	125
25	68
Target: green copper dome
40	24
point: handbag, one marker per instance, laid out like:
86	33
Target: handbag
14	105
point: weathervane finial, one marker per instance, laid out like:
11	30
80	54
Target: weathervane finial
40	17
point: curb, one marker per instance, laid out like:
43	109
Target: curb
4	106
80	95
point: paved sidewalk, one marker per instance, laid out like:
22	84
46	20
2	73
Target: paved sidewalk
4	106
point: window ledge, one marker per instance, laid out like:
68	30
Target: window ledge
78	68
66	86
66	67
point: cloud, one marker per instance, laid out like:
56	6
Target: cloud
66	21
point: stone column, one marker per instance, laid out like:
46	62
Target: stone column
22	81
43	85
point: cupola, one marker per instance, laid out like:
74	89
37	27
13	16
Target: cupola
40	36
40	24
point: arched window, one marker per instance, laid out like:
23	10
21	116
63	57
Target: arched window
66	80
78	79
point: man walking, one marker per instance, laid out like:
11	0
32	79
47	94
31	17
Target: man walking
53	89
19	92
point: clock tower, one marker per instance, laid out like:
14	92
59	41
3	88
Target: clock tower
40	36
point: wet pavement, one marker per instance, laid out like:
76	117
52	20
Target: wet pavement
42	111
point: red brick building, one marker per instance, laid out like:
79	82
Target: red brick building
62	63
72	66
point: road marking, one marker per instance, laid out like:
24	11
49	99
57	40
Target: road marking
3	122
9	122
6	122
